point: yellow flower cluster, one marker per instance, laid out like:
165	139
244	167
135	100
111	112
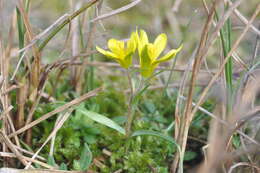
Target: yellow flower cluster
148	52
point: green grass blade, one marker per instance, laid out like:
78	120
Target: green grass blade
225	34
101	119
20	27
20	24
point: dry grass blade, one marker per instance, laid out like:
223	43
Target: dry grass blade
179	103
183	133
21	100
9	144
5	101
178	108
244	20
18	65
1	81
53	133
12	155
5	112
256	49
243	164
176	5
57	110
11	88
42	34
28	153
35	103
117	11
75	46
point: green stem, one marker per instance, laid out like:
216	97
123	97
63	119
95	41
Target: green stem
130	110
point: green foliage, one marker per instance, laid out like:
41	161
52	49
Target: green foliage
135	154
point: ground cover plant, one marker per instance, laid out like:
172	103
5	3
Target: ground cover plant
129	86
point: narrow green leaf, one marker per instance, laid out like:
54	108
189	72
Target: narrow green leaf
102	120
20	27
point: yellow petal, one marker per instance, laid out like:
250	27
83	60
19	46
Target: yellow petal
160	44
151	52
142	41
143	37
131	43
168	56
116	46
106	53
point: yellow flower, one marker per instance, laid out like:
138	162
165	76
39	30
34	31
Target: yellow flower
118	51
149	52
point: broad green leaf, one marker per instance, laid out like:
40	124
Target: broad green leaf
102	120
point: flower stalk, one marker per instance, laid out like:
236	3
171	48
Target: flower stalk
130	108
